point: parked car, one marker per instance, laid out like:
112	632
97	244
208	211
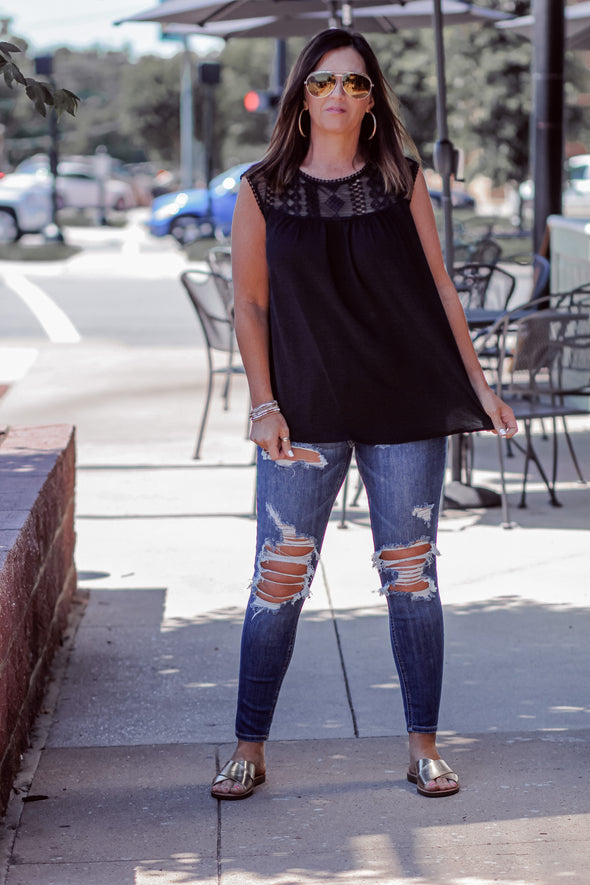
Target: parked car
459	199
576	191
78	186
25	206
200	212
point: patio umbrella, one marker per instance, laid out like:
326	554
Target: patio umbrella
384	19
291	18
577	26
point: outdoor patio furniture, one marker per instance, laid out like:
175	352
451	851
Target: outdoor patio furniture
541	372
483	285
205	288
483	251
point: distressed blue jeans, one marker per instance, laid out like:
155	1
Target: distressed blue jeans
403	484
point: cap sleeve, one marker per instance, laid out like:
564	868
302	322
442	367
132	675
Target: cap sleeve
413	166
259	189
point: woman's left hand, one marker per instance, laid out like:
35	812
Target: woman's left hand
501	414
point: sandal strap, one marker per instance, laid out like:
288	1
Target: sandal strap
431	769
239	772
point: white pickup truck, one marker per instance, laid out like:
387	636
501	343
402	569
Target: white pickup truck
25	206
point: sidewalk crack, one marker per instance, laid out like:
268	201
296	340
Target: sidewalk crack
340	652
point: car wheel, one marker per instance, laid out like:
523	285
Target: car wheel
9	231
188	228
120	205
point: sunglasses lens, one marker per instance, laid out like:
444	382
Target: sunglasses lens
320	84
356	85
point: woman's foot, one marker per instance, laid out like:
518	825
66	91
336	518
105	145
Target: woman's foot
423	746
246	751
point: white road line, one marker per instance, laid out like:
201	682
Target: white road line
59	328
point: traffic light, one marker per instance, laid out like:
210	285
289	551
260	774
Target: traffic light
261	100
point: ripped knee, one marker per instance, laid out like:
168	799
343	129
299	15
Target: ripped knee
285	569
402	568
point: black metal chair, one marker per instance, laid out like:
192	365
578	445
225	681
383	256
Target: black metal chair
219	261
205	288
483	285
543	368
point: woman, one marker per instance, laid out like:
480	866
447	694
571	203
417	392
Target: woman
352	337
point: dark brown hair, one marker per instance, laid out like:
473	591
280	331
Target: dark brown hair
388	147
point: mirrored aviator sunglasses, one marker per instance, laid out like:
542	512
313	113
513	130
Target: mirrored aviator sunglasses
320	84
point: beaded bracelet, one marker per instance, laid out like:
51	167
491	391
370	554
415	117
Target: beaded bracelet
263	410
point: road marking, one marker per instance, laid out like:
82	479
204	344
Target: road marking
59	328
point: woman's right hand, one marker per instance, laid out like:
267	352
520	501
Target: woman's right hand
272	434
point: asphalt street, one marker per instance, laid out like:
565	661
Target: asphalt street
123	288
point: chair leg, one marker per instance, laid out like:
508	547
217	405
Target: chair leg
357	494
573	455
197	454
228	379
506	523
527	459
342	524
531	455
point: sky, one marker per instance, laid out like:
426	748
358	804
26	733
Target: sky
79	24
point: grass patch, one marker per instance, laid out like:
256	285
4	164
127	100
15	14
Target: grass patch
198	250
89	218
37	252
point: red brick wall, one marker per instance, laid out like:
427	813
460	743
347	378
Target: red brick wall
37	575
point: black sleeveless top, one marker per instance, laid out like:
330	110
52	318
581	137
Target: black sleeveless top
360	346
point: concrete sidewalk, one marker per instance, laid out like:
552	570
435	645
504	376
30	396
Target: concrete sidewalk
140	714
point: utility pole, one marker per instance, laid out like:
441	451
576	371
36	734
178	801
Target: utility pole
186	119
547	141
53	232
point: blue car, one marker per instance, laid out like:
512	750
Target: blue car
202	212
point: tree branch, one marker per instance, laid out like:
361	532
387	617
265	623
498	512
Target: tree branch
41	94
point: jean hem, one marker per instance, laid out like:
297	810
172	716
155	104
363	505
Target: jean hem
417	729
255	739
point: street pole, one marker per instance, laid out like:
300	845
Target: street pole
53	232
548	104
186	120
444	153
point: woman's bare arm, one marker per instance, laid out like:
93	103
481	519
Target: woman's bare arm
250	282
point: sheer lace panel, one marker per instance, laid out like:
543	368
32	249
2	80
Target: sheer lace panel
359	194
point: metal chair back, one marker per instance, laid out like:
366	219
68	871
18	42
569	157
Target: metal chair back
543	367
484	285
205	289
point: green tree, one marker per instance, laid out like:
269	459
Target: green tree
246	65
42	95
150	98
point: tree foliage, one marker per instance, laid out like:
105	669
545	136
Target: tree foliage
42	95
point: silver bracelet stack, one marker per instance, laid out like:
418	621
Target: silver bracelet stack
263	410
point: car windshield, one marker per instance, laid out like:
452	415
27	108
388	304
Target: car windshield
229	181
576	173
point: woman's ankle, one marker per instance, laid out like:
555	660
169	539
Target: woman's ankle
423	746
251	751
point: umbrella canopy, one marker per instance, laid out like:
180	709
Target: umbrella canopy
577	26
386	19
290	18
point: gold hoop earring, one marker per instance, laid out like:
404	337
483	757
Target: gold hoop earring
299	126
371	114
